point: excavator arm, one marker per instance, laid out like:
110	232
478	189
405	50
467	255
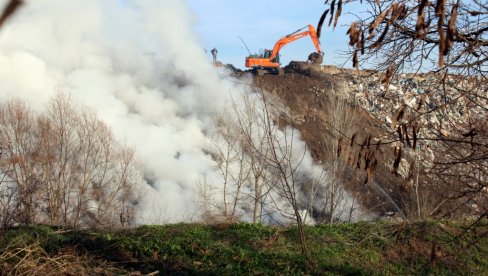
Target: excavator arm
270	59
295	36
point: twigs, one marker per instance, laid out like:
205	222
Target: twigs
32	259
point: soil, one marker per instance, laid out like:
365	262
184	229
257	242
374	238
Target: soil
307	90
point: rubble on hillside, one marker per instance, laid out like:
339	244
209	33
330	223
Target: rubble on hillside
307	89
421	96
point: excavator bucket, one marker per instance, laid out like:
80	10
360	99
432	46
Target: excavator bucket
316	58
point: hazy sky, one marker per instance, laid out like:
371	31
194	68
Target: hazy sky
220	23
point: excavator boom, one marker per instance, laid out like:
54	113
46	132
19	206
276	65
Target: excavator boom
295	36
270	59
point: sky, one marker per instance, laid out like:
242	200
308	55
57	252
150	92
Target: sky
220	23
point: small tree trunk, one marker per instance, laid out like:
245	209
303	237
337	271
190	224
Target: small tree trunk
257	200
301	233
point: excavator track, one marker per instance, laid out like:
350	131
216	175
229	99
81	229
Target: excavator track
275	71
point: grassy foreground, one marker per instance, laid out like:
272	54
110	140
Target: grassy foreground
182	249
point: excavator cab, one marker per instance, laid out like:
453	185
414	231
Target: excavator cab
268	53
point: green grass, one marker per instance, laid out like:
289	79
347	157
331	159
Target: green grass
425	248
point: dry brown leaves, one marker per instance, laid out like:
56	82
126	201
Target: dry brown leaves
9	10
388	75
364	158
420	26
354	33
338	13
321	22
355	60
407	132
333	16
451	27
396	11
356	39
440	12
376	23
332	9
397	152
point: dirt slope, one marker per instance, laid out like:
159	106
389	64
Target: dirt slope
307	91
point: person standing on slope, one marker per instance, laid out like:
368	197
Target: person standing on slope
214	54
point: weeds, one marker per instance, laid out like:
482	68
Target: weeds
380	248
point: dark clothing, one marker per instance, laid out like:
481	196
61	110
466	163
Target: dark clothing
214	54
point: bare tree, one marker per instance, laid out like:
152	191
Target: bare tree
17	122
275	149
444	42
11	209
242	173
258	153
254	144
232	164
64	167
260	166
343	117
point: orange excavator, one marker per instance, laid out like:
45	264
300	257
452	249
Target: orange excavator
269	60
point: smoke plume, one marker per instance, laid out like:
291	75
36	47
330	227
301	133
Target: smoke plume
140	66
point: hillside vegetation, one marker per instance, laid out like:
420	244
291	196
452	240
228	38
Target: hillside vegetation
361	249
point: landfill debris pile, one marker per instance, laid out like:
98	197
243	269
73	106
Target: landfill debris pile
435	108
427	109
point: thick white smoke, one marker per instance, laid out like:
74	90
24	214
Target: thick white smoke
141	67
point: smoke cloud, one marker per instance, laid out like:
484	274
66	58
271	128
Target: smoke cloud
140	66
